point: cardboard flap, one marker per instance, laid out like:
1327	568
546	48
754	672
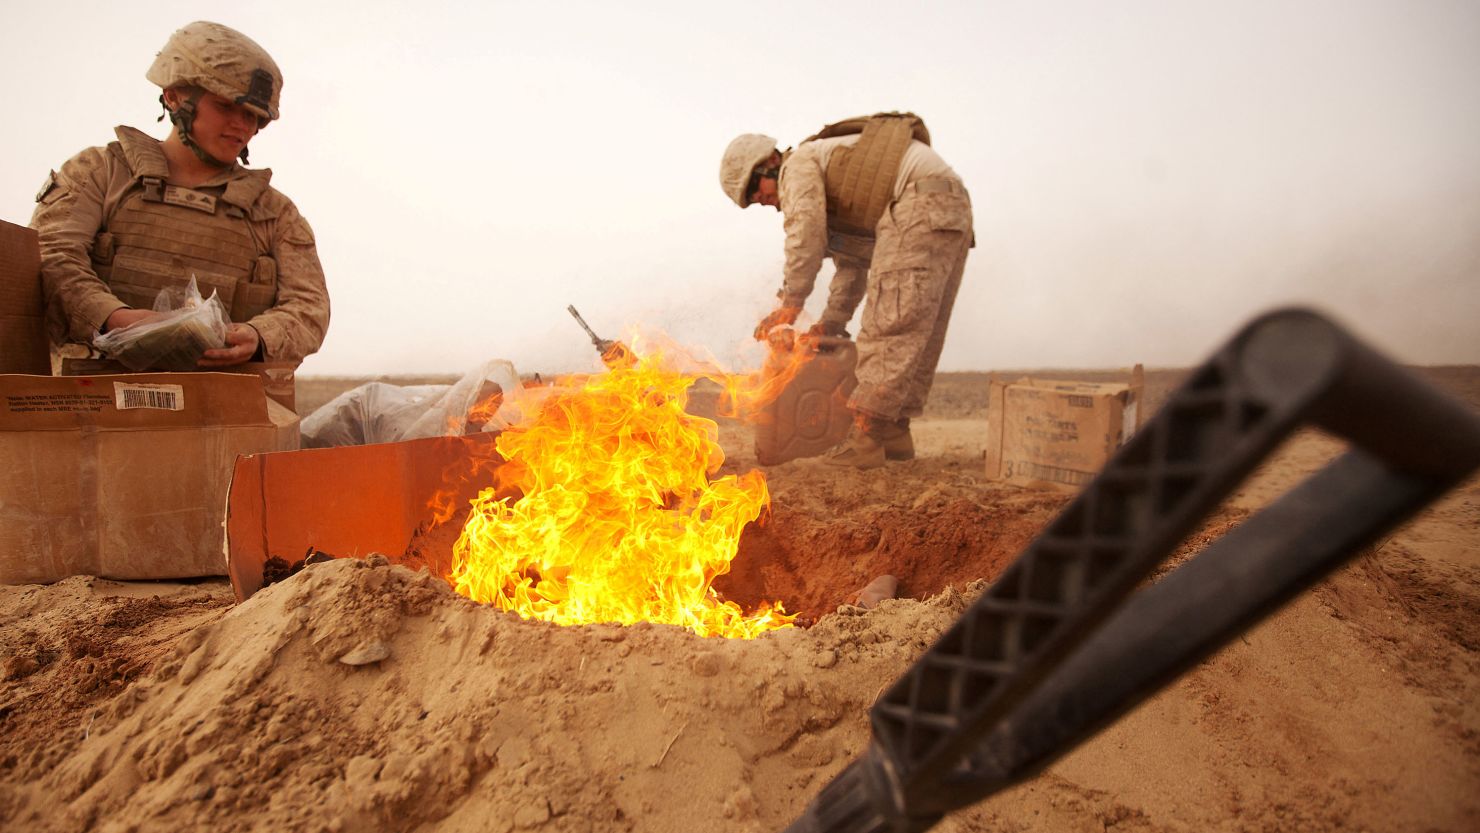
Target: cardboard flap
1075	388
351	501
152	401
277	377
23	345
20	270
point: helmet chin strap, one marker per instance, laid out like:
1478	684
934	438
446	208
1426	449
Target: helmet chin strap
183	118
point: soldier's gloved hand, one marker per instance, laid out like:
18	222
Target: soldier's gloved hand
829	328
777	317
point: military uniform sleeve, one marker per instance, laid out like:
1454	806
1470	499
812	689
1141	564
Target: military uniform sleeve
849	285
294	326
67	220
804	205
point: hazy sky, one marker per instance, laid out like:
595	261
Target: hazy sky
1146	174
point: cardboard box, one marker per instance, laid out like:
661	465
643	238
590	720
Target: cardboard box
278	378
23	346
405	500
1058	434
125	476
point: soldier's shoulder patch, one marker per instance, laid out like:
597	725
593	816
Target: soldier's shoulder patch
47	186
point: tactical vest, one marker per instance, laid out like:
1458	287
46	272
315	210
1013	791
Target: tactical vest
160	235
860	178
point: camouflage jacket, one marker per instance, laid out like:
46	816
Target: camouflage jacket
74	213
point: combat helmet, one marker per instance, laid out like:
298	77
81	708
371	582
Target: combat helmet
739	163
223	61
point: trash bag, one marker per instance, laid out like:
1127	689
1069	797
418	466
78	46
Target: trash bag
187	327
379	412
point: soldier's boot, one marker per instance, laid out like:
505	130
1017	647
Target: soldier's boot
862	449
898	445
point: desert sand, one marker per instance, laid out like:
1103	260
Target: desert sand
361	695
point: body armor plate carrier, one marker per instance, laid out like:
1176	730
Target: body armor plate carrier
860	178
160	235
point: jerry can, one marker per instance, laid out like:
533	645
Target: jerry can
810	414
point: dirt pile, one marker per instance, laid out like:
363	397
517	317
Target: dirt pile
67	648
357	695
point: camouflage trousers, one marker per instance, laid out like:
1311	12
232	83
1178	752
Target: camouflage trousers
919	257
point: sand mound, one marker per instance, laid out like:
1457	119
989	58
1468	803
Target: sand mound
358	695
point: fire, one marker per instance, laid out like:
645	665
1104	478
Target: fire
746	395
607	509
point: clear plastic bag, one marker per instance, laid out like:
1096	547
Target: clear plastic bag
187	327
379	412
375	412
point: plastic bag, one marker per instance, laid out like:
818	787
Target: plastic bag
469	405
375	412
187	327
379	412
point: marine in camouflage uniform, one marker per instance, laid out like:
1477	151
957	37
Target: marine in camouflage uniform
116	227
906	265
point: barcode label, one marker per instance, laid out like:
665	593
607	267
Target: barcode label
158	397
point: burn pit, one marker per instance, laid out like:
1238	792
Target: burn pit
815	561
617	499
828	533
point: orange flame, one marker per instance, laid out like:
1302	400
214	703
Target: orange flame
605	511
746	395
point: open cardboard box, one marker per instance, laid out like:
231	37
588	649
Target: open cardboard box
1053	434
125	476
405	500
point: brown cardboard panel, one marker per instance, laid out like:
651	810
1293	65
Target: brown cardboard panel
148	401
1056	434
350	501
20	270
278	378
125	476
23	347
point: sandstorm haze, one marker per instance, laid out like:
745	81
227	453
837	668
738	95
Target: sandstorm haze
1146	175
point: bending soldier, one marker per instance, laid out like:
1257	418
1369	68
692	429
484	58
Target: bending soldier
872	195
119	223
